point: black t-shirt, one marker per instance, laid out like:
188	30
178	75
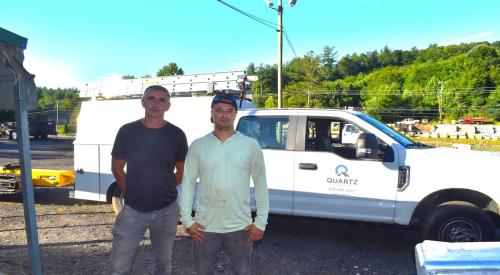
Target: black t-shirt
151	155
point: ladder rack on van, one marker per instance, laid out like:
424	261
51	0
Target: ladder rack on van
179	85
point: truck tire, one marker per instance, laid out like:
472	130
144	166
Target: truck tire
458	223
117	200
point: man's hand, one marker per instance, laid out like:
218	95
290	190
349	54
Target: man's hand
254	234
195	233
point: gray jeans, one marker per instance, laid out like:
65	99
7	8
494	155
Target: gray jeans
234	244
129	229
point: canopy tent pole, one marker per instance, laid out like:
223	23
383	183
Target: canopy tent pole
21	98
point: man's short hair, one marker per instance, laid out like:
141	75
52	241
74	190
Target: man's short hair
155	88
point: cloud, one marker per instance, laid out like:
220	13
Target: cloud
470	38
51	73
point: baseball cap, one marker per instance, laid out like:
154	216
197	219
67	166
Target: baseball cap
225	98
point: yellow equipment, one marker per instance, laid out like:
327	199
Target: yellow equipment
11	173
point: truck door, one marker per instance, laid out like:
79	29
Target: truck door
276	136
331	182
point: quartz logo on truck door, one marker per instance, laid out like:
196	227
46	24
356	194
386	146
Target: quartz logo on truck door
342	182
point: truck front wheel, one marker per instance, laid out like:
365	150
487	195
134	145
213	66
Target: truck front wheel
117	200
458	223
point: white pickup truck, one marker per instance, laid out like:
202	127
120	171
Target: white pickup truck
381	176
384	177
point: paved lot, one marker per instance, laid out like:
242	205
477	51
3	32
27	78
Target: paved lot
75	236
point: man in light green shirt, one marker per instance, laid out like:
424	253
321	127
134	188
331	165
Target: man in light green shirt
224	160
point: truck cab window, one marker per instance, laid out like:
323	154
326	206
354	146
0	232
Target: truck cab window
320	135
337	136
269	131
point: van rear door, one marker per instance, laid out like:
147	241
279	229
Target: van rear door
87	172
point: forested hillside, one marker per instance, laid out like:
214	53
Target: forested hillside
437	83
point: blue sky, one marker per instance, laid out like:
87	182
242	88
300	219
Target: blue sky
74	42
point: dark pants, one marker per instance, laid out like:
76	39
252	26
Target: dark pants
234	244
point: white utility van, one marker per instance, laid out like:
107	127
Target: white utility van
98	123
112	104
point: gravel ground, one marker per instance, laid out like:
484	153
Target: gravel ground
75	236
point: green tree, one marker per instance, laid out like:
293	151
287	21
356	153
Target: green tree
271	102
492	106
66	99
383	93
267	83
296	95
305	69
251	70
328	57
170	69
60	100
328	62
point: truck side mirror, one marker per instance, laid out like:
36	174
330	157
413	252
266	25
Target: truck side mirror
367	146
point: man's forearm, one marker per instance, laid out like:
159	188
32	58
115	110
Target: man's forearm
179	172
121	179
178	176
118	170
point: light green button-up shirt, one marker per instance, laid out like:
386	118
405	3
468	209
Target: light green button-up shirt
223	197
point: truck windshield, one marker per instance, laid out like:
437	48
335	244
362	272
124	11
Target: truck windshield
401	139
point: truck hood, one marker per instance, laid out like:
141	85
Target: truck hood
454	168
446	153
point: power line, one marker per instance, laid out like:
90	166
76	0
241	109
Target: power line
262	21
251	16
289	42
458	91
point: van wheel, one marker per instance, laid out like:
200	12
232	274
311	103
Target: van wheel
458	223
117	200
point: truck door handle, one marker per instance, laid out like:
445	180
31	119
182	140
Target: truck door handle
308	166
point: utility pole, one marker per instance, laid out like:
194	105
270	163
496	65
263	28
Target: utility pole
279	9
440	101
280	52
57	113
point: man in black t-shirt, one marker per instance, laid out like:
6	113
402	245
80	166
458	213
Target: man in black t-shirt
152	149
